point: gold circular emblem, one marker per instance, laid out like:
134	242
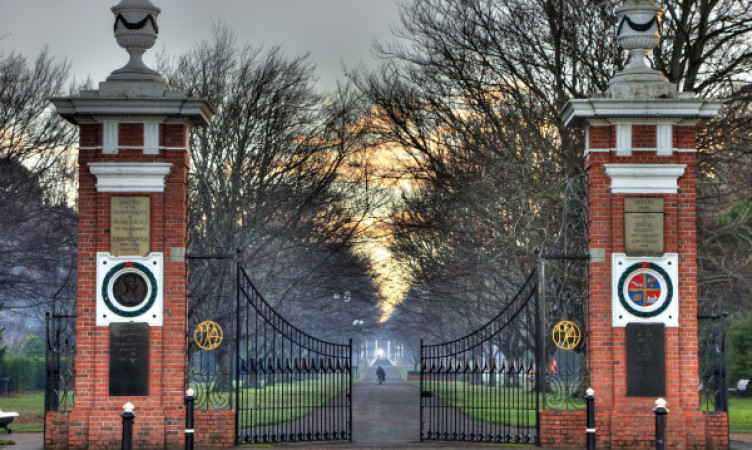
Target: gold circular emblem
566	335
208	335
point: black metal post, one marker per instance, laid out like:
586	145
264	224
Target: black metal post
128	416
189	431
590	430
660	411
238	357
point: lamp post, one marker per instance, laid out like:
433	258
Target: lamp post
342	315
356	324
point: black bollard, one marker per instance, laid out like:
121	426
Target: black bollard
189	431
660	411
127	416
590	430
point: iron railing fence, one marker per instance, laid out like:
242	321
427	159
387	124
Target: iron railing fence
289	385
713	386
60	352
564	294
211	309
484	386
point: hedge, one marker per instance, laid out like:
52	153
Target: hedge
26	373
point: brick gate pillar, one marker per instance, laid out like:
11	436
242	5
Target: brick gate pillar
641	161
131	309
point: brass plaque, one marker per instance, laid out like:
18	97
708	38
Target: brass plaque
130	226
643	205
643	226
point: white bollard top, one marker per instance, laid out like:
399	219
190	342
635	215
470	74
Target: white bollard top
590	391
661	403
128	407
189	392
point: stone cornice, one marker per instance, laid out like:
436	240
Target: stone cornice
604	108
82	109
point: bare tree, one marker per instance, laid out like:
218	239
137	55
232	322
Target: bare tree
277	173
472	96
38	224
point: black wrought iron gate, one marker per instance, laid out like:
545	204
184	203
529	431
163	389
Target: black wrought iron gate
484	387
289	386
60	351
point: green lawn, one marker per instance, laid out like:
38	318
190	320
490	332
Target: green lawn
740	415
479	401
288	401
30	406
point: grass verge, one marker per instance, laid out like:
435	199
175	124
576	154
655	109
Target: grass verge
29	406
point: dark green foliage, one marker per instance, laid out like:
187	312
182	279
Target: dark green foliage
740	351
26	373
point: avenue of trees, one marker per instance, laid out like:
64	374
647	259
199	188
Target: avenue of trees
467	100
472	93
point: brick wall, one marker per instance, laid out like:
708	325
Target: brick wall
55	430
562	428
716	431
628	422
214	429
131	134
602	137
684	137
95	421
643	136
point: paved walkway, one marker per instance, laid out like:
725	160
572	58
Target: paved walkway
388	415
24	441
384	416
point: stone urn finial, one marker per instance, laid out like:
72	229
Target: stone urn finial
136	31
639	31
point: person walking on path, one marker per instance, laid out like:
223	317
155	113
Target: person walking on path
381	375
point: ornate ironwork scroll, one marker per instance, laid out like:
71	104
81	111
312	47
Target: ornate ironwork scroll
289	386
212	300
712	359
564	297
60	352
484	387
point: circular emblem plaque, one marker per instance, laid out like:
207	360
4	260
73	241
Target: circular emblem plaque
129	289
208	335
645	289
566	335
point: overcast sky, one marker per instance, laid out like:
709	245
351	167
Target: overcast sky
334	31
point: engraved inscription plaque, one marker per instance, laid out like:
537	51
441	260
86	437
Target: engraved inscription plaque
129	359
646	360
643	226
130	226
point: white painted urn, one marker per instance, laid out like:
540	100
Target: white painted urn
136	31
639	31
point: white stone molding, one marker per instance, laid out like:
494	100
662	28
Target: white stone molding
177	107
623	139
151	137
644	178
130	177
110	132
664	139
642	111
